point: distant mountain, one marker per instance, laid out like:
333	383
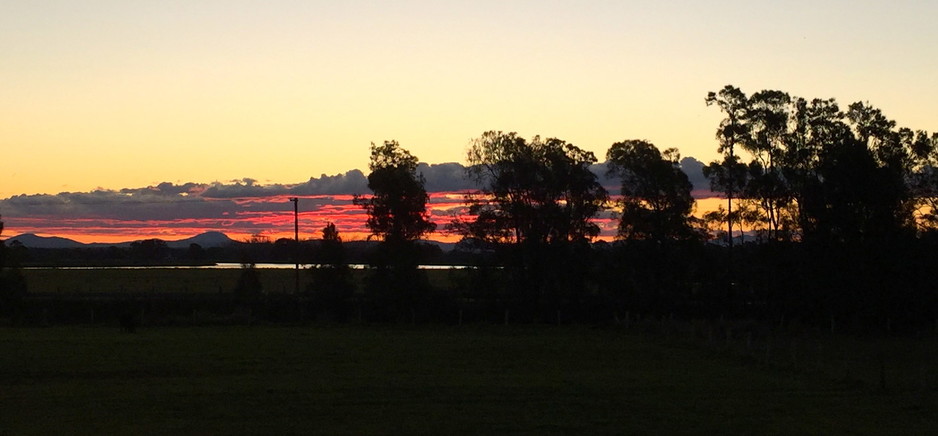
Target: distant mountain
445	246
206	240
34	241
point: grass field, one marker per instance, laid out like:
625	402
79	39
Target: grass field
175	280
422	380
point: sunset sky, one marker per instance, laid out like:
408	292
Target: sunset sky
124	95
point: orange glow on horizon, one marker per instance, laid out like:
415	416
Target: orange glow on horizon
251	217
265	218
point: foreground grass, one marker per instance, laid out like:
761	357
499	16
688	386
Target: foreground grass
179	280
430	380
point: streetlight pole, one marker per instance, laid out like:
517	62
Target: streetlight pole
296	242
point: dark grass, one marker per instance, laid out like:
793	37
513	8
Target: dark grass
416	380
181	280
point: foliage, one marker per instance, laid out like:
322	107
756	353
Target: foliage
12	282
731	132
536	204
819	172
539	191
397	210
248	287
656	200
331	285
397	213
195	252
148	250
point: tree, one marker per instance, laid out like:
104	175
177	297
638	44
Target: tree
397	214
793	142
731	132
728	176
538	191
766	123
248	289
331	286
195	252
12	282
397	211
925	181
149	250
859	199
815	125
536	202
656	199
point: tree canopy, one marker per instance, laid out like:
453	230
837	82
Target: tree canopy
656	194
819	172
540	190
397	210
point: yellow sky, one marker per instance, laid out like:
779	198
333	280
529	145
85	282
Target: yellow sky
118	94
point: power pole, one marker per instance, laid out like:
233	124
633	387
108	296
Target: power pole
296	242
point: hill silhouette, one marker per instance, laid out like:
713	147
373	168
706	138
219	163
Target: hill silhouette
31	240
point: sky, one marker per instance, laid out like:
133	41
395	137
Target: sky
113	96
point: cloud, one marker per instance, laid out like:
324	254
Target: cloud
446	177
243	188
244	206
166	209
611	183
168	189
350	183
694	170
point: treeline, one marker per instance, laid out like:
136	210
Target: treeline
839	207
830	221
12	283
156	252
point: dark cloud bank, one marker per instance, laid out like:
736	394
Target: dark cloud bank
168	201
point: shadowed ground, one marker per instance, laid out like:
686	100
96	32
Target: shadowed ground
423	380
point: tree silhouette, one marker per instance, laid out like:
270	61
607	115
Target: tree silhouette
12	282
767	120
331	286
537	200
815	125
532	191
248	289
195	252
656	200
924	182
794	142
397	210
860	199
730	133
729	176
851	186
397	214
149	250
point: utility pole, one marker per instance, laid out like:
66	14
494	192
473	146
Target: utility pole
296	242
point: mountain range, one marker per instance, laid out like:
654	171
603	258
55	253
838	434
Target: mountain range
206	240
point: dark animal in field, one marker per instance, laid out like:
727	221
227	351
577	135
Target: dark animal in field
128	323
